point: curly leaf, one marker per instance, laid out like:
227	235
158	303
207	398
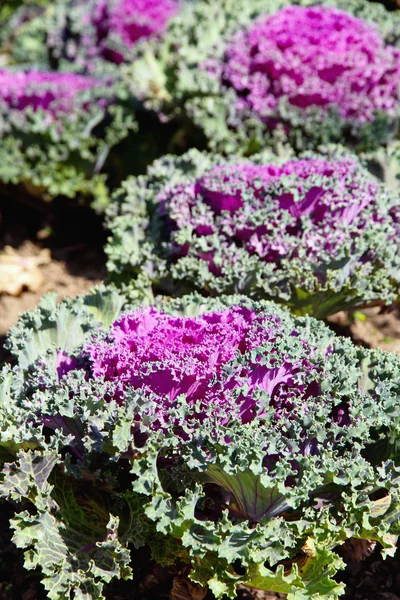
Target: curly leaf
71	537
310	578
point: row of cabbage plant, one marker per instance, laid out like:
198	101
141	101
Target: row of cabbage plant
195	410
153	76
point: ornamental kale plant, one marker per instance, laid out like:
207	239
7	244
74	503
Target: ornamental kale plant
52	92
318	234
81	35
59	129
86	33
314	57
306	74
235	443
23	31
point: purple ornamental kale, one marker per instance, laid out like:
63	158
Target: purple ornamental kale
274	211
309	208
313	57
64	363
211	359
53	92
127	21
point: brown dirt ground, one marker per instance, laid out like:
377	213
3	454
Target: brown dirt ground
58	277
371	327
74	236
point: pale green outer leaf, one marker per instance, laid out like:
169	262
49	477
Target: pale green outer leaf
58	538
52	327
29	480
311	580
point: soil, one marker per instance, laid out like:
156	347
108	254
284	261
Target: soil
371	327
74	236
373	579
389	4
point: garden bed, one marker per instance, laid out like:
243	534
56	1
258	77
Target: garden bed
75	237
199	300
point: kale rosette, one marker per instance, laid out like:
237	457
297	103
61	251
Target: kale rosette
106	30
59	130
83	35
318	234
234	442
308	73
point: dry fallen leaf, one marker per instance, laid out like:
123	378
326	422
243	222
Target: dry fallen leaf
21	272
183	589
357	549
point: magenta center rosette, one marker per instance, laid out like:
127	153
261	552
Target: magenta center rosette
120	24
168	356
54	93
314	57
136	19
